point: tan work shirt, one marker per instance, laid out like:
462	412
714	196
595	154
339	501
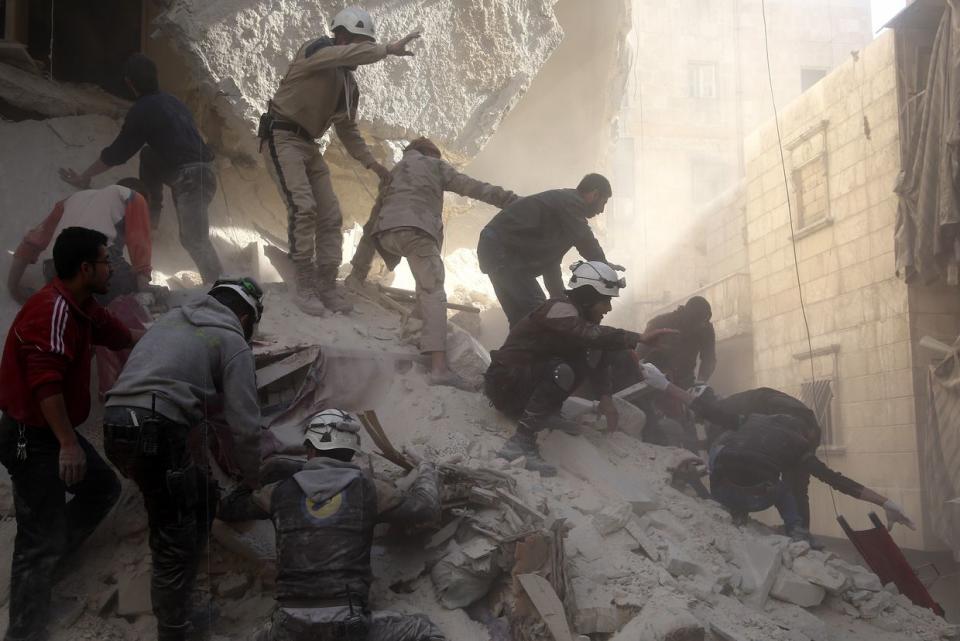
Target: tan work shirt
320	90
414	197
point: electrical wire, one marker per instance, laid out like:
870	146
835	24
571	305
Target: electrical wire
793	240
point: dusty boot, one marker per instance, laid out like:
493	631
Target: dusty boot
328	293
524	443
304	297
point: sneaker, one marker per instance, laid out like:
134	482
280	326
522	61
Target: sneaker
452	379
554	421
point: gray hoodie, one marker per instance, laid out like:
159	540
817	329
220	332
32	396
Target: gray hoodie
187	357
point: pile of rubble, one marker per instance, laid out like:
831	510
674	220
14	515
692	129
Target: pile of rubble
608	549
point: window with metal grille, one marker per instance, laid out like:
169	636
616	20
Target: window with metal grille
818	396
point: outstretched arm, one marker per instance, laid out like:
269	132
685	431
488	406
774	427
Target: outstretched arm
419	505
841	483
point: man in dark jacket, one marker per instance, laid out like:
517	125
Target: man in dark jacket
677	356
324	516
172	152
45	396
530	237
155	427
550	353
752	463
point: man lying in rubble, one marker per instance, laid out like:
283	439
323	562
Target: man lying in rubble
120	212
155	429
753	463
324	516
318	91
409	224
530	237
550	352
45	396
172	152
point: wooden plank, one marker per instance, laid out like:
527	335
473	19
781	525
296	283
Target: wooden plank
520	505
548	604
410	296
275	371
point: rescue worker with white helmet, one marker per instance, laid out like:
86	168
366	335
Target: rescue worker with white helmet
193	359
323	551
551	351
319	91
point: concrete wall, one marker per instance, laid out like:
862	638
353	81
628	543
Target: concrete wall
856	307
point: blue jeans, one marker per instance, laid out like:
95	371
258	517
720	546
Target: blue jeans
754	499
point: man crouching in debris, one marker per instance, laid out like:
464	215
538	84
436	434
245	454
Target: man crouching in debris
45	396
320	90
753	464
409	223
324	516
550	352
155	430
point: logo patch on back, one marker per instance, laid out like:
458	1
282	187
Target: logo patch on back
325	509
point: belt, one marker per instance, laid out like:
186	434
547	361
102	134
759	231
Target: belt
292	127
335	602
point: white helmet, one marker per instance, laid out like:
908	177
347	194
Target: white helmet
597	274
333	429
355	20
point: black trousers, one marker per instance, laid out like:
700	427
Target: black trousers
49	528
519	293
180	499
531	388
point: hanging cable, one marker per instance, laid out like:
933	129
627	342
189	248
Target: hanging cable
793	240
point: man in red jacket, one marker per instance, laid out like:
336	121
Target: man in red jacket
44	396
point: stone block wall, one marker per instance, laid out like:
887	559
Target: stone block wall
857	308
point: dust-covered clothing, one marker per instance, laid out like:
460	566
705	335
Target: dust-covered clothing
553	334
414	195
324	516
426	265
677	355
318	91
189	356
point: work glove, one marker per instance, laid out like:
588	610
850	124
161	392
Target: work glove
895	515
654	377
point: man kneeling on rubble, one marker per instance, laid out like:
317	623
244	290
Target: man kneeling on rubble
550	352
752	463
155	429
324	516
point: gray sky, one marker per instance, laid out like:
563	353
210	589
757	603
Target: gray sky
883	10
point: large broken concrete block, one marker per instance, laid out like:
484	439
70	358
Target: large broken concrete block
612	518
579	457
475	61
759	563
792	588
820	574
595	613
665	617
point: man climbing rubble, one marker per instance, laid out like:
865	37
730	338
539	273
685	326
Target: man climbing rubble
120	212
554	349
318	91
172	152
409	223
678	356
45	396
324	516
530	237
753	463
155	430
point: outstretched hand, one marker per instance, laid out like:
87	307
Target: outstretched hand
399	48
895	515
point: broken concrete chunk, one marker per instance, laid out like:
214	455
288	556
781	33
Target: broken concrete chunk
792	588
665	522
679	563
460	580
665	617
595	613
867	581
759	563
797	548
133	596
612	518
233	585
819	573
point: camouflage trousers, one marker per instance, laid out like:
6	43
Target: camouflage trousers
335	624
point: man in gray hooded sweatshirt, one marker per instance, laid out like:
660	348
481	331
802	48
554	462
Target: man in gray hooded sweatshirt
324	516
192	360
